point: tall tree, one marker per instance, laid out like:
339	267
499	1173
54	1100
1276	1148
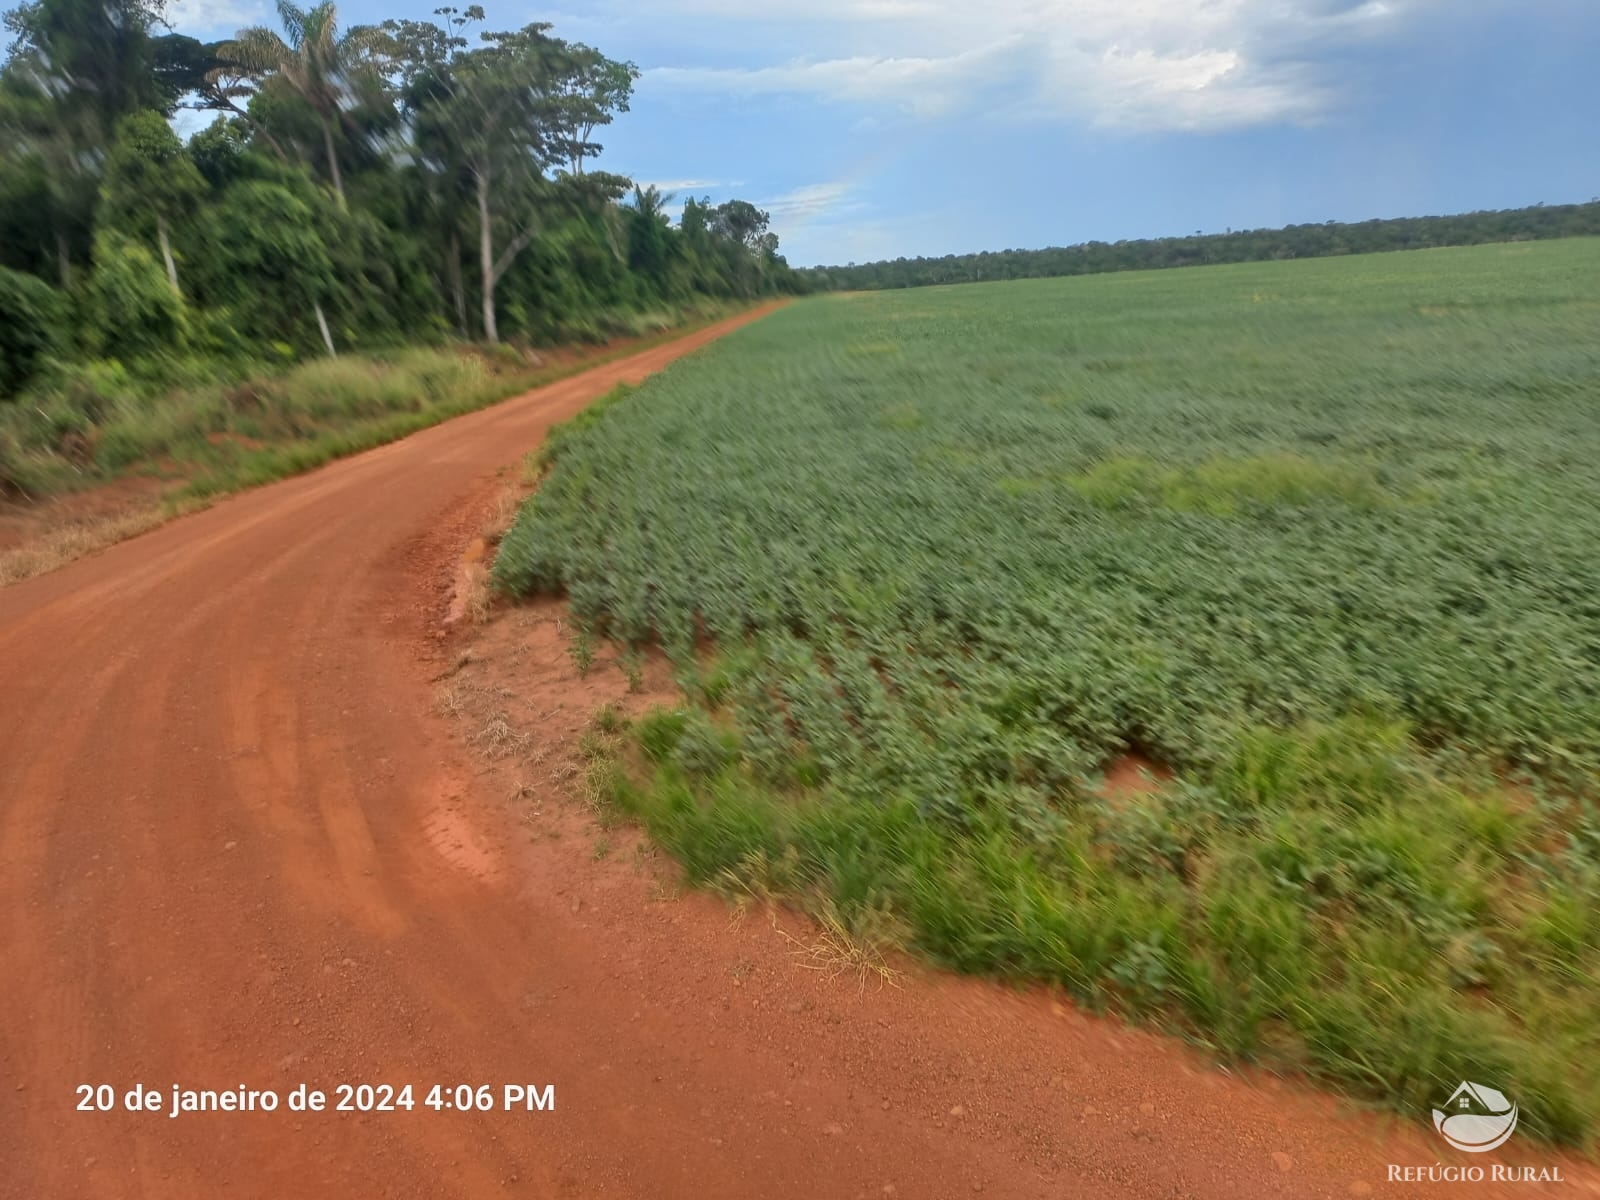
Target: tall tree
651	202
741	222
732	245
649	231
75	68
509	109
453	167
594	89
222	86
95	56
149	182
49	155
324	67
422	78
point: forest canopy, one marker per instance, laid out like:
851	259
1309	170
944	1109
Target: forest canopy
358	187
1329	239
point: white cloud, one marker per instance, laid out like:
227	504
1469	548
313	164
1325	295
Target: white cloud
922	86
1208	89
806	203
680	185
219	17
1147	64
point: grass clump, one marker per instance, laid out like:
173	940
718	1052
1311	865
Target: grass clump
1227	487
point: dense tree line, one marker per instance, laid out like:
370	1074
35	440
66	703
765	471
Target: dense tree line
1254	245
407	181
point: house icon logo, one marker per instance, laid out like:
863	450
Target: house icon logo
1476	1118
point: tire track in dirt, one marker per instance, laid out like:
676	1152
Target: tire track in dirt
237	846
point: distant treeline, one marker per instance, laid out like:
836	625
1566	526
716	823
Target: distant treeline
1250	245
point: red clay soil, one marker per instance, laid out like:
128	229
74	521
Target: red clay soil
239	845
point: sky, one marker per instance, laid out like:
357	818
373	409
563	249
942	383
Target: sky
879	128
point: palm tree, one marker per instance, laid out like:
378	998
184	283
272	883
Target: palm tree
314	59
652	202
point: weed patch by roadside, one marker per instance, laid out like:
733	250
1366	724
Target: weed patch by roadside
1328	900
214	440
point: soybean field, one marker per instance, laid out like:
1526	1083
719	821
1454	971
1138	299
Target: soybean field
1309	552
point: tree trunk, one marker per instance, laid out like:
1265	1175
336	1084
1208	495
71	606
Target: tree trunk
322	324
257	127
254	127
63	260
166	253
491	330
457	292
333	161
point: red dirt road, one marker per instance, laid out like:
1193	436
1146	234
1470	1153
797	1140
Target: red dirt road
231	853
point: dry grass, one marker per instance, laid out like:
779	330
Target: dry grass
451	700
500	739
58	547
595	787
475	588
532	470
760	880
504	512
523	792
477	593
838	952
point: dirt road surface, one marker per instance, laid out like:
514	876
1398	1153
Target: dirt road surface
232	832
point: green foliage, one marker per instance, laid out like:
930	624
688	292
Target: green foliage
132	311
262	254
329	408
1251	536
1284	527
1393	953
1223	487
451	169
322	65
24	474
334	390
98	56
218	152
148	176
228	427
590	415
32	319
660	730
